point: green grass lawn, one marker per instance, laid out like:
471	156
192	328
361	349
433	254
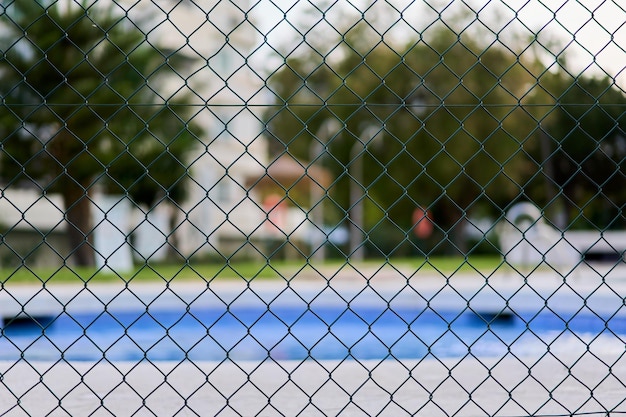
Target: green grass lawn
248	270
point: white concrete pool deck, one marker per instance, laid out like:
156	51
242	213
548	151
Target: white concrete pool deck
582	381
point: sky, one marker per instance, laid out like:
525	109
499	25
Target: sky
594	29
592	33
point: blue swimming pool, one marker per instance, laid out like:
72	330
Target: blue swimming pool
288	332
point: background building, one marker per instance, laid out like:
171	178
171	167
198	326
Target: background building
220	214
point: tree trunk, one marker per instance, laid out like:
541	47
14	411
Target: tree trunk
78	218
173	253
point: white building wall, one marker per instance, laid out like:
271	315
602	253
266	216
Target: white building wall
217	37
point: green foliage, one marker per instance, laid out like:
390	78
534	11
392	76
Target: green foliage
462	128
450	130
587	149
84	103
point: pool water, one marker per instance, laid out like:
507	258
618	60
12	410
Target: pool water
297	333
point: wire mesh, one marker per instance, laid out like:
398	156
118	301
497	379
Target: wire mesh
312	208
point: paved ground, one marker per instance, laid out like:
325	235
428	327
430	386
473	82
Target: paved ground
583	381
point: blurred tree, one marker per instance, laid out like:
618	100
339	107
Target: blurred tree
585	143
451	120
84	105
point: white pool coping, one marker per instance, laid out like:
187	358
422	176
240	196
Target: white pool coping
581	381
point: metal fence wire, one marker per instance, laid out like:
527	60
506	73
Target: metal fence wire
366	207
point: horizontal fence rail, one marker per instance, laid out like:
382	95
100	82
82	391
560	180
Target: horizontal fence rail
372	207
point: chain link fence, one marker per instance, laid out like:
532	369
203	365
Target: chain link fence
370	207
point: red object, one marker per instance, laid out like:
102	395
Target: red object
422	223
276	210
